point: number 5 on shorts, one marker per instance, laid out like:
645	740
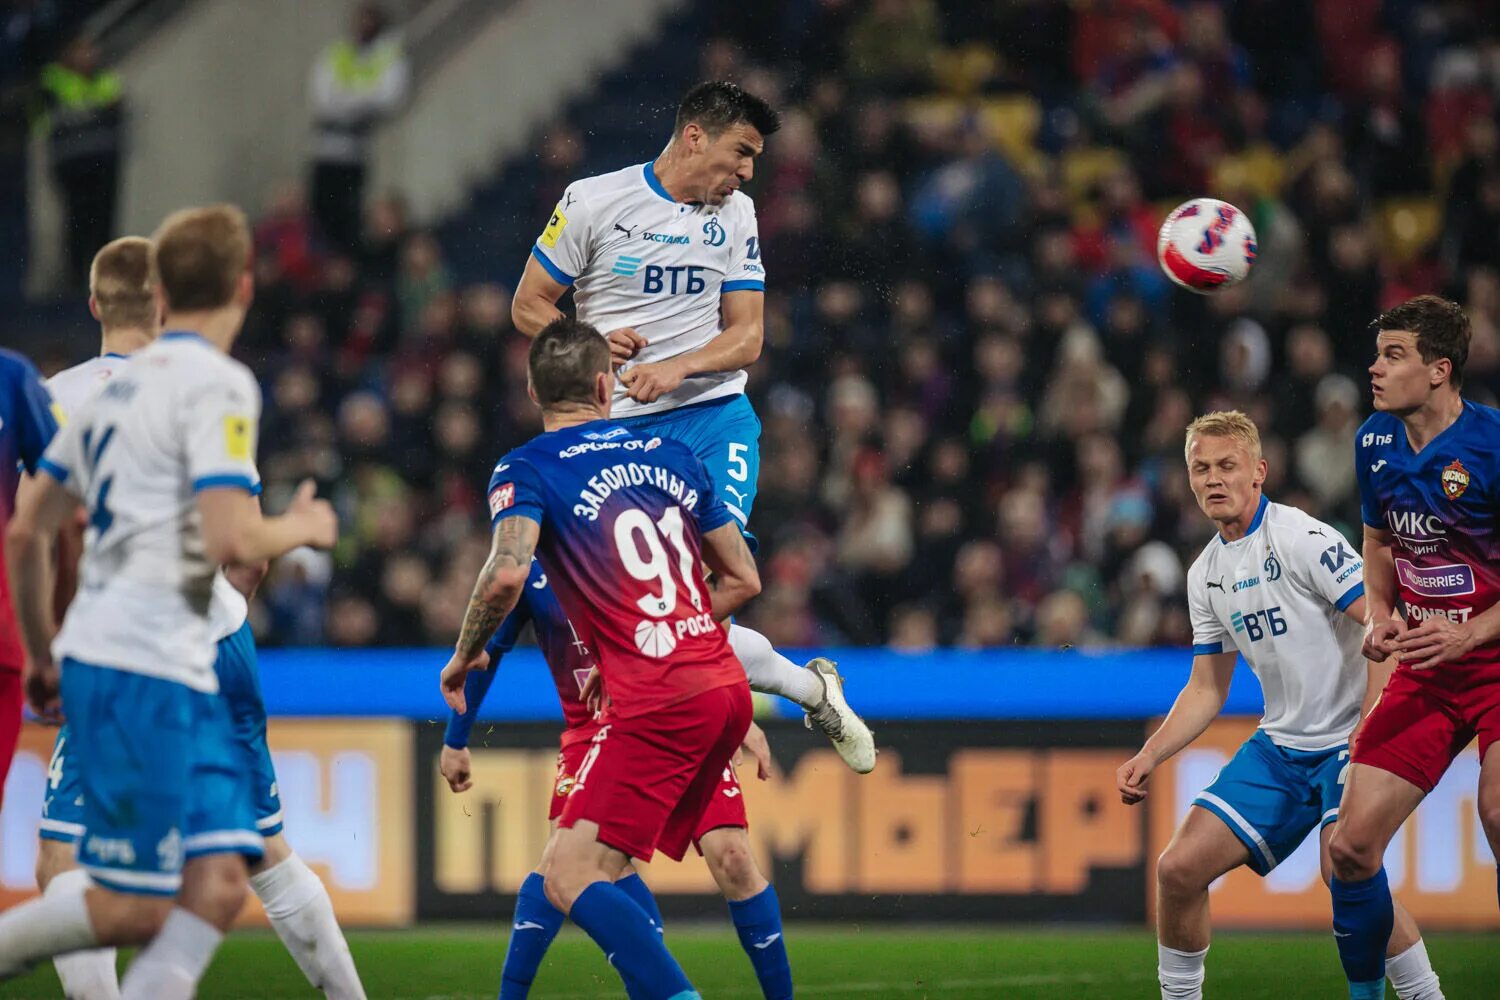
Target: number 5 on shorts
737	460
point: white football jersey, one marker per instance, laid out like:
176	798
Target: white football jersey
1278	595
179	418
75	386
637	258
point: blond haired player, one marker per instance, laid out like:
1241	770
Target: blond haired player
1286	591
162	460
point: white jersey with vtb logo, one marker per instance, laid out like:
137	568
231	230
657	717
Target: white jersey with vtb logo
637	258
178	419
71	388
1278	595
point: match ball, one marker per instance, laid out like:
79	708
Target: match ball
1206	245
655	639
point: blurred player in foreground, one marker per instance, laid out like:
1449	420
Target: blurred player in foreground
122	297
721	835
1285	590
1428	463
666	256
626	528
28	422
162	459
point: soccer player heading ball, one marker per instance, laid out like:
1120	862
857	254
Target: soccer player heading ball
664	257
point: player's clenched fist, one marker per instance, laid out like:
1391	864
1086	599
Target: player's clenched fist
624	344
315	516
455	766
1131	779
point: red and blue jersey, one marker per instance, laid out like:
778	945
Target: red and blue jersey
622	518
1441	507
27	424
568	659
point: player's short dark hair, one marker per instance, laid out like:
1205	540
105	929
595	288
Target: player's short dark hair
564	360
1442	330
716	105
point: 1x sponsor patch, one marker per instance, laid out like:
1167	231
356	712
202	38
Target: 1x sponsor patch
555	226
239	438
1450	580
502	497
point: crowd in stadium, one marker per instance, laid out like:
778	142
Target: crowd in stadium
975	378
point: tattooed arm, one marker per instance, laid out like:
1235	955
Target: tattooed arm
735	579
495	594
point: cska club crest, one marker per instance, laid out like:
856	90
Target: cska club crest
1455	480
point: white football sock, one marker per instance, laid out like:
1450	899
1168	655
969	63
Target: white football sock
773	673
85	975
1180	973
1411	974
300	910
52	924
171	965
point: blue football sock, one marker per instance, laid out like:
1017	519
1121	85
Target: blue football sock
536	924
630	942
758	921
1362	922
635	887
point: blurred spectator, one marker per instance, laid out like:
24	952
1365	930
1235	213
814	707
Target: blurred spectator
356	83
83	114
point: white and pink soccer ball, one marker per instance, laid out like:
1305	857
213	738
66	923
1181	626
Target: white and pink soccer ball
1206	245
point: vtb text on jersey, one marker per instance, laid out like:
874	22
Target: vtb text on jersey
1278	595
637	258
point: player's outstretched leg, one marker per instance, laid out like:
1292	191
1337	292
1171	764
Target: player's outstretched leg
297	904
817	687
580	882
753	906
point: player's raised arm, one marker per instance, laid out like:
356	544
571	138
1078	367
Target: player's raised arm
1197	705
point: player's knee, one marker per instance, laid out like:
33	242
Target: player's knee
1353	855
1178	875
562	885
734	868
217	889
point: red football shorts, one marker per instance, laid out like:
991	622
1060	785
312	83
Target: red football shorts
726	808
648	781
11	699
1425	718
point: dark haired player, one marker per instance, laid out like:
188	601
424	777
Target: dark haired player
625	527
1429	482
665	257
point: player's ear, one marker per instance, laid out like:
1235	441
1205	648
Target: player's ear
93	306
531	391
1440	371
604	390
1261	471
244	292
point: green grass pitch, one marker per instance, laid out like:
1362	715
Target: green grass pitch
944	963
